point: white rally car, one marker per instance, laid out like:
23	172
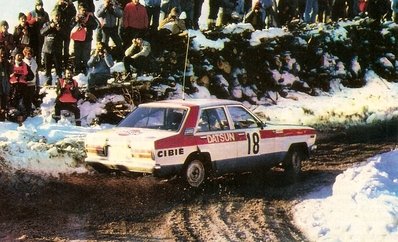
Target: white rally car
195	138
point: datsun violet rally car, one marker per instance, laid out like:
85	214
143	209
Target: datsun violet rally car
196	138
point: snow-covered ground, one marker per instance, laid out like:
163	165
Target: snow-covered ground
362	205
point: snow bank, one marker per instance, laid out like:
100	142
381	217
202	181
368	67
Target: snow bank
362	205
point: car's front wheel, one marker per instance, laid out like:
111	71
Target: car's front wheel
292	165
195	173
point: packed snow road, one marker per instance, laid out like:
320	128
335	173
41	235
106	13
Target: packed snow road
112	207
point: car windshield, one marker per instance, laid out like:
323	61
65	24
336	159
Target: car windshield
155	118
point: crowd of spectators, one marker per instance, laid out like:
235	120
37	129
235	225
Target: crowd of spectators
42	41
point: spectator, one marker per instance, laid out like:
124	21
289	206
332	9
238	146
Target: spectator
21	74
187	6
82	48
214	6
255	17
173	24
135	22
227	7
362	5
67	97
100	63
5	69
197	11
345	9
22	34
54	37
36	19
153	11
166	6
31	84
90	7
67	13
137	55
271	18
324	10
6	39
311	11
109	13
287	11
379	10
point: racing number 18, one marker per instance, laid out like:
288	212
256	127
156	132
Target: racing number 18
253	143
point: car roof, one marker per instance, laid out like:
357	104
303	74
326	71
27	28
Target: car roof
192	103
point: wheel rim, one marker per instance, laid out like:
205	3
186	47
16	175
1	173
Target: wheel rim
195	173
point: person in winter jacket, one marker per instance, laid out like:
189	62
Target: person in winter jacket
100	64
67	13
6	39
5	69
82	48
22	34
153	11
54	37
109	13
137	55
36	19
67	96
31	84
20	75
255	17
135	22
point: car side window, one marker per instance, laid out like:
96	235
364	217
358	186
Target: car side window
241	118
213	119
155	118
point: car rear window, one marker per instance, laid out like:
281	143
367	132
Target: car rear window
155	118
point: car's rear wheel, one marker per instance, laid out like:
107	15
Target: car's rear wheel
195	173
292	165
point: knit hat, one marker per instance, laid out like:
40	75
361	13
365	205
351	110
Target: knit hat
39	2
3	23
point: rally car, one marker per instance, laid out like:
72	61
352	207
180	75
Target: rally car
196	138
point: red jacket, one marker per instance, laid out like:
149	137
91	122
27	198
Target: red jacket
67	92
19	73
135	16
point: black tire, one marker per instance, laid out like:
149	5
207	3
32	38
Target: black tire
292	166
195	173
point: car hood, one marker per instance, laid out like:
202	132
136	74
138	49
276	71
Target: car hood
136	137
